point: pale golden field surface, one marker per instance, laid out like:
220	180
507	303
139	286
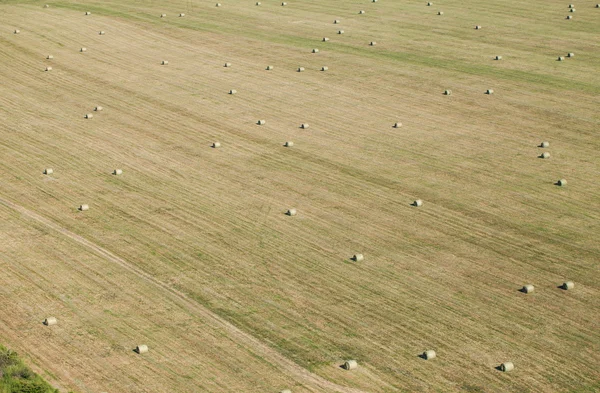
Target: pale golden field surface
189	250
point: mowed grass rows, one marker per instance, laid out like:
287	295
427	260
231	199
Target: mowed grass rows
211	222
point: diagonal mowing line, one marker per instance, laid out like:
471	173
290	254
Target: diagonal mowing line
246	339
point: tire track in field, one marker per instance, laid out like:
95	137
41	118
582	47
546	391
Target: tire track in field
250	341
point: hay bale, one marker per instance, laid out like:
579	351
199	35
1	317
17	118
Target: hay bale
291	212
289	144
325	39
527	288
561	183
397	124
283	4
569	17
374	1
165	62
46	6
350	364
141	349
324	68
304	125
340	31
361	12
373	43
498	58
181	15
227	65
17	31
286	391
258	3
572	10
568	285
429	4
315	50
269	68
336	22
477	27
448	92
98	109
507	366
89	116
560	58
545	155
571	5
117	172
163	15
84	208
88	13
570	54
418	203
300	69
48	171
216	145
50	321
429	354
261	122
545	144
49	57
48	68
440	12
102	32
218	5
597	5
489	91
358	257
232	91
83	50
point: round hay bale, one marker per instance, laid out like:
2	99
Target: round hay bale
88	13
569	17
440	12
48	68
291	212
315	50
49	57
181	15
102	32
340	31
50	321
325	39
286	391
46	6
418	203
83	50
568	285
489	91
507	366
300	69
545	144
48	171
269	68
289	144
232	91
141	349
561	183
216	145
283	4
527	288
570	54
428	355
597	5
374	1
89	116
261	122
98	109
572	10
163	15
227	65
258	3
350	364
117	172
373	43
165	62
545	155
358	257
498	58
304	125
84	208
571	6
448	92
477	27
324	68
361	12
397	124
17	31
336	22
429	4
218	5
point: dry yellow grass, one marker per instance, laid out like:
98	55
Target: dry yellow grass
189	231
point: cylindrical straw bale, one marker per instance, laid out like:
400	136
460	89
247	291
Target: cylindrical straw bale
98	109
561	58
568	285
283	4
325	39
118	172
84	208
50	321
430	3
218	4
418	203
350	364
232	91
545	155
291	212
315	50
227	65
49	57
597	5
88	13
545	144
304	125
477	27
286	391
337	21
48	171
102	32
428	355
569	17
300	69
361	12
261	122
17	31
498	57
570	54
46	6
289	144
397	124
181	15
507	366
324	68
562	182
141	349
258	3
163	15
448	92
83	50
572	10
527	288
373	43
571	6
340	31
440	12
489	91
165	62
48	68
358	257
269	67
216	145
89	116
